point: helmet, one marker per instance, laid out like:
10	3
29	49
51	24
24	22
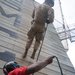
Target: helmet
10	66
50	1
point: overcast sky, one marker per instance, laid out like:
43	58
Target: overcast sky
68	9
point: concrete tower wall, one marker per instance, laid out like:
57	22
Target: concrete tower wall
15	21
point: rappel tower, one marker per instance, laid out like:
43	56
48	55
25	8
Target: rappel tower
15	21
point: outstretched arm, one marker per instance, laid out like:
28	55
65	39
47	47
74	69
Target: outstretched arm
39	65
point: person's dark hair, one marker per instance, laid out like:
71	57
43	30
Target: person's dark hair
10	66
50	1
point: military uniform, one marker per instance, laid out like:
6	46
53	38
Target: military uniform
40	15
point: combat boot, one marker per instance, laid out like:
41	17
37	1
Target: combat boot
33	54
25	54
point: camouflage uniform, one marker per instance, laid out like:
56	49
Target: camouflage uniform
40	15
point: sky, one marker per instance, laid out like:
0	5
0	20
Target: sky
68	11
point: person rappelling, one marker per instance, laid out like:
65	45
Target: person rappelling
44	13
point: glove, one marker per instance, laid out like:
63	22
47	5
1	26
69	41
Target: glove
49	21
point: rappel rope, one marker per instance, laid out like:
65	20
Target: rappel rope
42	45
59	66
33	3
42	42
43	37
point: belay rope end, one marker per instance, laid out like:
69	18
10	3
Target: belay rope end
59	66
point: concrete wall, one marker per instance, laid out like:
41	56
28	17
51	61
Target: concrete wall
15	21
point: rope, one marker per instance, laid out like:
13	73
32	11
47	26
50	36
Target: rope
33	3
59	66
44	34
42	45
42	42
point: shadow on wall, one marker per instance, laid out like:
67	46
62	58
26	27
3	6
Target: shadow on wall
7	56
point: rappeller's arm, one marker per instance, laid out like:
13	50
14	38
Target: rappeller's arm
39	65
50	17
33	14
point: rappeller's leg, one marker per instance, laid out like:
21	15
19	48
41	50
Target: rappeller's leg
31	35
36	46
39	37
28	45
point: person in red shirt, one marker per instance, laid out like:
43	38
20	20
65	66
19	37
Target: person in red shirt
13	68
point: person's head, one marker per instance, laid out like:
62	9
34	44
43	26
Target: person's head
10	66
49	2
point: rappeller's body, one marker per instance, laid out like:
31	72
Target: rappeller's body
40	15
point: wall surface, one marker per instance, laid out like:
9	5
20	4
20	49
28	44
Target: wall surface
15	21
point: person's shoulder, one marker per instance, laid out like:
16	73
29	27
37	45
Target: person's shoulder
42	4
47	6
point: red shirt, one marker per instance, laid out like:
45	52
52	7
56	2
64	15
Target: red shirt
18	71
